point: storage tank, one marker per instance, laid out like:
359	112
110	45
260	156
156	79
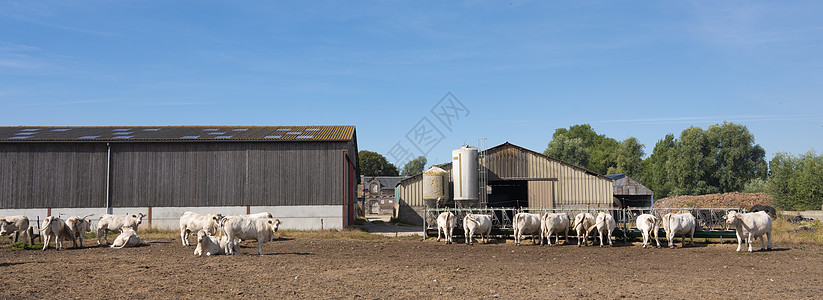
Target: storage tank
464	176
434	187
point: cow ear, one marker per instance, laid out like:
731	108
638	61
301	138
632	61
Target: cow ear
134	216
271	222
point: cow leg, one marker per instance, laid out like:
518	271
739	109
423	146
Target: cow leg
749	241
739	240
184	236
260	246
769	235
451	234
691	236
46	242
670	237
655	238
645	238
438	232
101	233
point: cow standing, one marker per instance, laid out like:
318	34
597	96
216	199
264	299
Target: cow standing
582	222
750	226
115	223
556	224
648	225
54	226
16	225
526	223
260	229
446	222
605	224
78	226
682	223
194	222
482	224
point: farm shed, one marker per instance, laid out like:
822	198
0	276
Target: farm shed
630	193
304	175
518	177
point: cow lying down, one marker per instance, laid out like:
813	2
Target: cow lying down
127	238
211	245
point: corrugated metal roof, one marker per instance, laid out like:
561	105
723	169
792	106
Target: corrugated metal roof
176	133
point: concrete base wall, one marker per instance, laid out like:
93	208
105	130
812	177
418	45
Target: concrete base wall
168	218
410	214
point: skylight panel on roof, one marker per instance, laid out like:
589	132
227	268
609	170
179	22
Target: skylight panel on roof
305	136
295	133
272	136
312	129
25	133
190	137
123	137
240	129
61	129
30	129
121	130
20	137
122	133
88	137
217	133
223	137
211	129
151	129
283	129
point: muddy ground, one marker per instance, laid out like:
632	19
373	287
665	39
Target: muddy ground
406	268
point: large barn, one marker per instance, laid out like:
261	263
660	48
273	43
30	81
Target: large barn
304	175
518	177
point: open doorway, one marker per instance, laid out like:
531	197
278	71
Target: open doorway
509	193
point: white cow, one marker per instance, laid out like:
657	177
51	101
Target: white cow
582	222
750	226
115	223
526	223
446	222
554	223
605	224
260	229
482	224
16	225
54	226
78	226
682	223
194	222
648	225
210	245
127	238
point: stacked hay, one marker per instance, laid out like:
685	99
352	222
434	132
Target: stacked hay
743	200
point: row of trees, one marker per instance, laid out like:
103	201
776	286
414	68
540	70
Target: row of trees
375	164
720	159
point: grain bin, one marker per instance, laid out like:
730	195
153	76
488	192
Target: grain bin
464	176
435	187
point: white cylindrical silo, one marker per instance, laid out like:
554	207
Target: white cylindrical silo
464	176
434	187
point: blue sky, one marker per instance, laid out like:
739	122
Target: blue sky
516	70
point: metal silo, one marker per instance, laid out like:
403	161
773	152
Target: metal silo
464	175
435	187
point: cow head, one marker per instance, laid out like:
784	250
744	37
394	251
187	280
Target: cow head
3	224
732	216
200	236
275	224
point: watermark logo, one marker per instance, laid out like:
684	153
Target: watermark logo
425	135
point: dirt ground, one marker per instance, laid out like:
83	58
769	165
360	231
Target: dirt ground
410	268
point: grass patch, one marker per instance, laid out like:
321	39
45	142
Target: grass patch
23	245
780	234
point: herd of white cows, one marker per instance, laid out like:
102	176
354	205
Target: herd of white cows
234	228
747	226
262	227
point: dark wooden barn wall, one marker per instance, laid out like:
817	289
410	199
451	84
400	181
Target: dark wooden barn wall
173	174
227	174
40	175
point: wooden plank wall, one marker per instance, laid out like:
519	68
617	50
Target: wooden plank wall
35	175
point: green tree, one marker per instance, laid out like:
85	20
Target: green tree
374	164
601	150
738	159
796	183
414	166
693	164
656	167
568	150
629	158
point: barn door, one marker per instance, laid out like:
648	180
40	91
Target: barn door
541	194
